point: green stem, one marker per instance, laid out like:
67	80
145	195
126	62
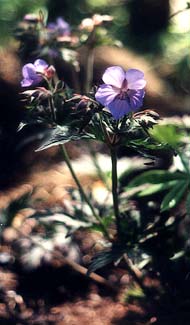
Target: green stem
99	171
83	194
52	108
115	190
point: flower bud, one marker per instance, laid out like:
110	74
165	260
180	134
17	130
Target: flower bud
87	24
49	72
38	93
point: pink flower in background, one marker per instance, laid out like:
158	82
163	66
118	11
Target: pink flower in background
33	73
31	18
96	20
122	91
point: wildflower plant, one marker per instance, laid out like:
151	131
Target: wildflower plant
106	113
145	222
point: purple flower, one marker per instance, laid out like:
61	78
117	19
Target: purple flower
32	73
61	27
122	91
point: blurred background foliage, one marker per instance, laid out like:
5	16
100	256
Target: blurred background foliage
132	19
11	11
149	27
143	25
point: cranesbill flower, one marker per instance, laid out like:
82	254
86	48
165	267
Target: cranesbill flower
61	27
122	91
33	73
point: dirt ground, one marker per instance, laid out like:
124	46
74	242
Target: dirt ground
53	290
44	281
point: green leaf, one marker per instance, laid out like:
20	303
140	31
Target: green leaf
155	188
185	161
167	134
156	176
148	146
174	196
134	292
177	255
61	135
95	128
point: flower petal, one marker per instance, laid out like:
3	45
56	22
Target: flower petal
40	65
136	98
135	79
51	26
114	76
106	94
63	27
26	82
28	70
119	108
30	77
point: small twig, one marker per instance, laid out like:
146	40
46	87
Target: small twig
135	273
83	270
74	265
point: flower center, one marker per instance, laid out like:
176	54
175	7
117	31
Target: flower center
123	94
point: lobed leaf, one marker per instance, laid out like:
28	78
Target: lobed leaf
174	196
167	134
156	188
61	135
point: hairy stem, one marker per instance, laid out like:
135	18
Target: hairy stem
83	194
115	190
52	108
99	170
